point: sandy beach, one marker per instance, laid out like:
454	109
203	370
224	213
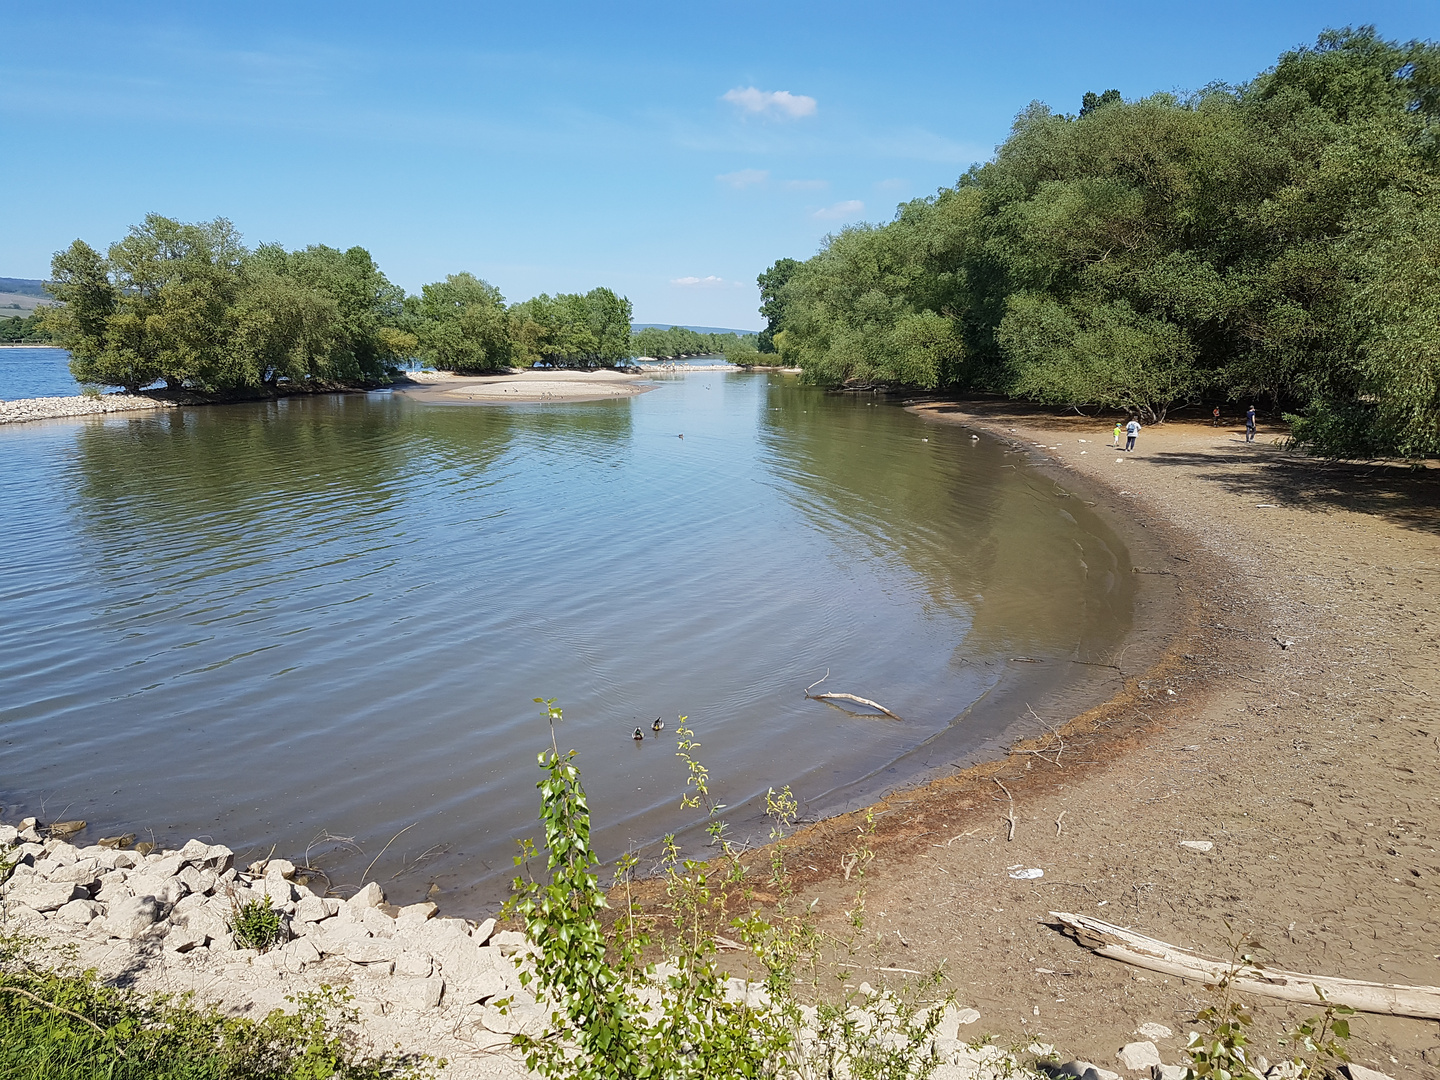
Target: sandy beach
1290	723
446	388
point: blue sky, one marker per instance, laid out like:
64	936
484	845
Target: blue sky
671	151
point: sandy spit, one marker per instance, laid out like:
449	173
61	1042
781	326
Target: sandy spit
524	387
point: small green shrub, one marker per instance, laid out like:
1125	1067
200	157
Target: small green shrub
256	925
90	390
613	1015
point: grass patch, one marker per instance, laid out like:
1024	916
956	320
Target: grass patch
67	1025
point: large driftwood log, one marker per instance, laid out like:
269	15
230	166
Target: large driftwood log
1422	1002
846	697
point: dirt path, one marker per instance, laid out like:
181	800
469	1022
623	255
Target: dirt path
1311	767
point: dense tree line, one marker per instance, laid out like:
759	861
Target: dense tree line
189	304
20	330
1275	242
678	341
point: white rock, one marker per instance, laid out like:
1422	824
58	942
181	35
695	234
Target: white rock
410	992
1360	1072
1080	1068
22	875
166	865
966	1016
510	942
9	835
62	852
481	934
1139	1056
334	937
77	912
311	909
1154	1032
197	881
371	951
131	916
368	897
416	913
126	860
1196	845
1168	1072
516	1020
376	921
280	868
414	962
20	916
84	872
46	895
277	889
183	939
299	954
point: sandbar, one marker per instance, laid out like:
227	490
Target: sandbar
524	387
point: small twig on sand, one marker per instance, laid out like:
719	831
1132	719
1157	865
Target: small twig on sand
385	849
1058	822
1010	817
1049	747
58	1008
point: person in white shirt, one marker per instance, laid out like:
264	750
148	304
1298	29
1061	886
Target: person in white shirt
1131	430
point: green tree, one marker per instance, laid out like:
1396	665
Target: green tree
772	302
464	325
1265	241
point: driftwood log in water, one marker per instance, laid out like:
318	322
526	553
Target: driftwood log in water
846	697
1422	1002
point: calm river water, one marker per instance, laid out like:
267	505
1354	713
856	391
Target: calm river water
286	622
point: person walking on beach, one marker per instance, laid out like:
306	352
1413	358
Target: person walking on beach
1216	415
1250	425
1131	430
1117	435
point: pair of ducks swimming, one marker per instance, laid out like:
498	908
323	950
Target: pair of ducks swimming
658	725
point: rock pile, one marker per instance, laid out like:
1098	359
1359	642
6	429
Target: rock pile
164	921
54	408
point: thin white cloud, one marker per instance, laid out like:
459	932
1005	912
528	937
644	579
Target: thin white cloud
807	185
893	184
710	282
744	178
848	208
780	103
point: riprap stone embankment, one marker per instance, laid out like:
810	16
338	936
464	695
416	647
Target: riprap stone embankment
59	408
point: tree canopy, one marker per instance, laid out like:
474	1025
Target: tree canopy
1276	242
189	304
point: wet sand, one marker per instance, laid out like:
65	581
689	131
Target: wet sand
445	388
1291	723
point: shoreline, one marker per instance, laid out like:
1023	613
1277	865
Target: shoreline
1261	731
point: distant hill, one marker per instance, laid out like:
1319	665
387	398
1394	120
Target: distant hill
666	326
24	286
21	296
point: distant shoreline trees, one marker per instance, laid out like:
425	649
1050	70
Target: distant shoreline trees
1276	242
678	341
23	330
189	305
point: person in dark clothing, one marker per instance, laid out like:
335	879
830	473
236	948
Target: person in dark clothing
1250	425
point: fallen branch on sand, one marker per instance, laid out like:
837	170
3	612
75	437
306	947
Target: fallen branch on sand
846	697
1421	1002
1009	817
